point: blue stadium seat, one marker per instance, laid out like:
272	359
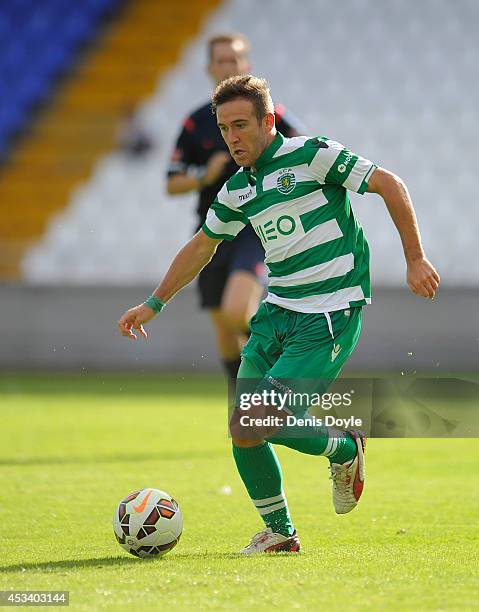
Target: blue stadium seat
5	28
98	8
32	90
19	10
39	42
15	58
55	59
12	118
77	27
37	25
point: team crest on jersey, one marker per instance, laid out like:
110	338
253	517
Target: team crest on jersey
286	181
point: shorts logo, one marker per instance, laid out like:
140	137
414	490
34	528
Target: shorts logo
335	351
286	181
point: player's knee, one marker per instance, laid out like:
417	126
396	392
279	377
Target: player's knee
226	340
242	432
251	427
246	443
235	318
229	347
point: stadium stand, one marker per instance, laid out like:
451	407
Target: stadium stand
411	108
118	68
39	43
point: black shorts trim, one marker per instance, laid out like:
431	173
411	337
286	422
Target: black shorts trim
244	253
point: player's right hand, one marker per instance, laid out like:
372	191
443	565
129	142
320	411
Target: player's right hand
134	319
422	278
215	167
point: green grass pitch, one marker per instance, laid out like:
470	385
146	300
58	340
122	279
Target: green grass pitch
72	447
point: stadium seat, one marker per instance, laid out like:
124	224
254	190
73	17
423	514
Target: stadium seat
39	43
386	79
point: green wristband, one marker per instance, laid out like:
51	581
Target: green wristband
154	303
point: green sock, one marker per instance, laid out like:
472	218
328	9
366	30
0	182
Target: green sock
337	446
260	471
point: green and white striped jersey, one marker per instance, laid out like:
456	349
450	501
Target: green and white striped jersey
296	199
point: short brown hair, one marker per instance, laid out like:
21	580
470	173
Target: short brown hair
228	37
249	87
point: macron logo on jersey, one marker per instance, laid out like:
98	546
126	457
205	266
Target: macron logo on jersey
245	194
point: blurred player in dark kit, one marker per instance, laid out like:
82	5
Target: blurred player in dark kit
230	286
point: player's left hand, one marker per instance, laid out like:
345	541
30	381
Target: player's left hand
134	319
423	278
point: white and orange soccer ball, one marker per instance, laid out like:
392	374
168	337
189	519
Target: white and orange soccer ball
148	523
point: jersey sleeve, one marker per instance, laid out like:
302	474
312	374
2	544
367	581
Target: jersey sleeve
183	154
224	221
333	164
287	123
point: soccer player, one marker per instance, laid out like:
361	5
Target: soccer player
294	193
230	286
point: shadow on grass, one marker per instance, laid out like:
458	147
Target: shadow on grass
104	384
232	556
73	564
67	564
136	457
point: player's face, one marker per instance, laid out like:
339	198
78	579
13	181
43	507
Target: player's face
246	136
227	60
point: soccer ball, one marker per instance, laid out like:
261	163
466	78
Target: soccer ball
148	523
